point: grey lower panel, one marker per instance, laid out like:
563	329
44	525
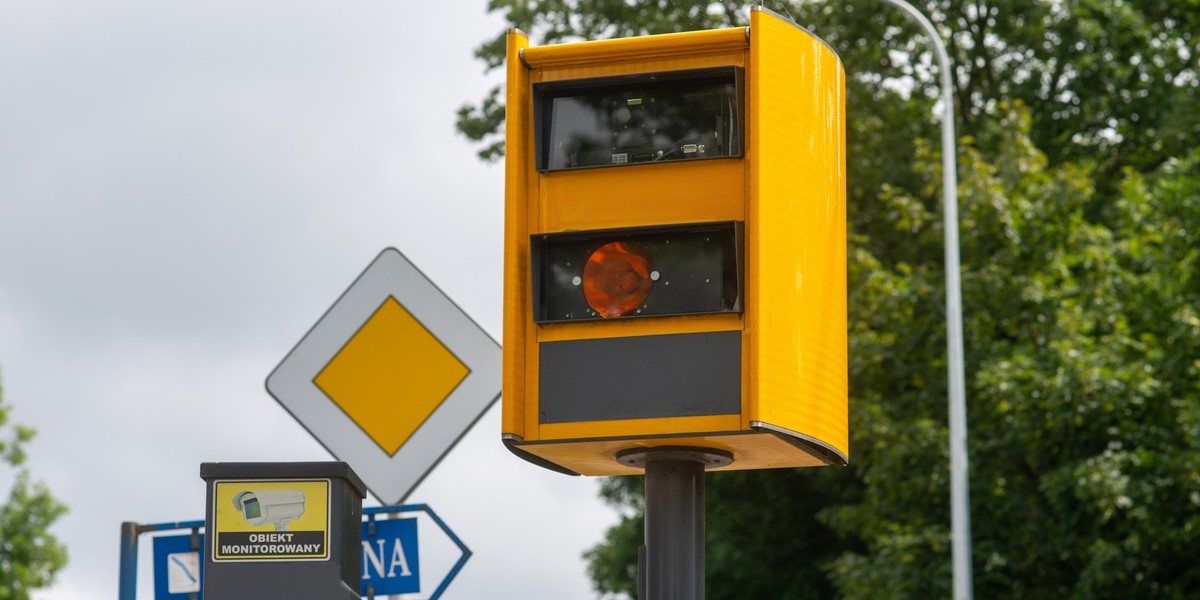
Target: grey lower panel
645	377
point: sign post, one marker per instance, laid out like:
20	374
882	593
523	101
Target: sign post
388	380
130	533
673	554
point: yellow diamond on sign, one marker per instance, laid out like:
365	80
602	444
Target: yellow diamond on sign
391	376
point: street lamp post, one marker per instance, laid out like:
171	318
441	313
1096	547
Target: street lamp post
960	515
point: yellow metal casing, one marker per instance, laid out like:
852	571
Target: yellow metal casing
787	190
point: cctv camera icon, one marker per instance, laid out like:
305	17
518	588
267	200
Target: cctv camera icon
277	507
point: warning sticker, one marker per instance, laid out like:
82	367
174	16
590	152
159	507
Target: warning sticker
271	520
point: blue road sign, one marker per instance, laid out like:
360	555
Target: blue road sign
390	556
372	514
390	561
178	567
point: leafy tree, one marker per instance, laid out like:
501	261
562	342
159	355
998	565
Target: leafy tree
30	555
1079	201
1083	403
1112	82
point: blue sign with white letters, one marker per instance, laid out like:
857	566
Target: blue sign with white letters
390	561
390	556
178	567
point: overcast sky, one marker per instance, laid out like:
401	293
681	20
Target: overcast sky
185	188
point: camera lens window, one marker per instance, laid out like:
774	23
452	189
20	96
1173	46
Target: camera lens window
645	118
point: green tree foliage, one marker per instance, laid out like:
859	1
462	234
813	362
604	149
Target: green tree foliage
1080	201
1083	363
30	555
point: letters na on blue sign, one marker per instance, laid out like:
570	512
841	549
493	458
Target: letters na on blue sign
178	568
390	560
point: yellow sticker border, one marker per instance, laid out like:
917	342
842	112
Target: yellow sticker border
216	557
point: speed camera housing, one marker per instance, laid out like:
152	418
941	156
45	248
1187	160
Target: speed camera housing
675	249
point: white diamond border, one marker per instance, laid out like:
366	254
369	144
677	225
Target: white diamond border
390	478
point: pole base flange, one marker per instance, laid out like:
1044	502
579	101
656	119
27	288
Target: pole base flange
710	457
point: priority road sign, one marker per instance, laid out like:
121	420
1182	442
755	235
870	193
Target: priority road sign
391	377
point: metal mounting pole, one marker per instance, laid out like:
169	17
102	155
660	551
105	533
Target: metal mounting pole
674	542
127	588
960	514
